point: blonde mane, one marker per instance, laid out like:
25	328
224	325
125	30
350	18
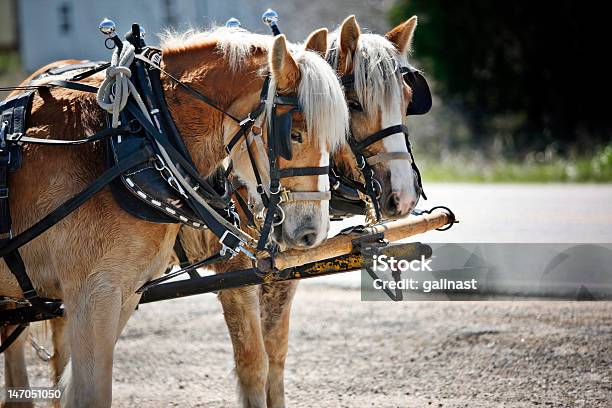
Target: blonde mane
378	83
319	92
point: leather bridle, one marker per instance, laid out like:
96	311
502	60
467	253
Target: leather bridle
365	161
278	145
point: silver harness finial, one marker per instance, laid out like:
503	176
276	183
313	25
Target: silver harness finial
270	18
233	22
107	27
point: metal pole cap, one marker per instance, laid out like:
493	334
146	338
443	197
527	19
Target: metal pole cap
233	22
270	17
107	27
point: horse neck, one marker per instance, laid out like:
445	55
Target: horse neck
202	127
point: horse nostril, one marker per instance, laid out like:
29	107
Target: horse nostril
392	206
307	239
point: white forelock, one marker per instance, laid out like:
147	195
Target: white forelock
321	97
378	83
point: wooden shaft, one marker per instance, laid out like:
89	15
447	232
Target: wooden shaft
342	244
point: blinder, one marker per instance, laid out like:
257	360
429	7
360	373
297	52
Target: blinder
421	95
280	138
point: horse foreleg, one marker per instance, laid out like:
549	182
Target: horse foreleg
93	315
241	312
276	302
61	349
15	372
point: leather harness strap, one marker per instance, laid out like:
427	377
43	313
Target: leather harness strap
103	134
75	202
12	337
179	250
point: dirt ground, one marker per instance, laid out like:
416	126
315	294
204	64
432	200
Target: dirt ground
349	353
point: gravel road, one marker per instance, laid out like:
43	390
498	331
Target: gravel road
348	353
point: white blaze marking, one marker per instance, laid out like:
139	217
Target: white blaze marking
402	176
323	182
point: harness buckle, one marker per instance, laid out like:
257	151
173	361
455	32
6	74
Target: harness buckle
232	246
277	191
246	120
6	235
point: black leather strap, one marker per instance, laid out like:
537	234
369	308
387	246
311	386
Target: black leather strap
5	214
182	257
71	85
75	202
15	264
12	337
180	252
103	134
245	208
287	100
375	137
303	171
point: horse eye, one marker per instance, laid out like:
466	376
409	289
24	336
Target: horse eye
296	137
355	106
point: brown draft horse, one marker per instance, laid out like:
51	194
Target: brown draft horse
258	317
97	257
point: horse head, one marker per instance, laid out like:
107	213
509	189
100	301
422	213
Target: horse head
370	67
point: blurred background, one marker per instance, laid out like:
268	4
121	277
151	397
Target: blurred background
520	88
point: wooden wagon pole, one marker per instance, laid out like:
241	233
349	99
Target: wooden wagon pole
343	244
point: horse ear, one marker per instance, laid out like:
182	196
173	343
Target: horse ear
349	37
283	67
317	42
401	36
